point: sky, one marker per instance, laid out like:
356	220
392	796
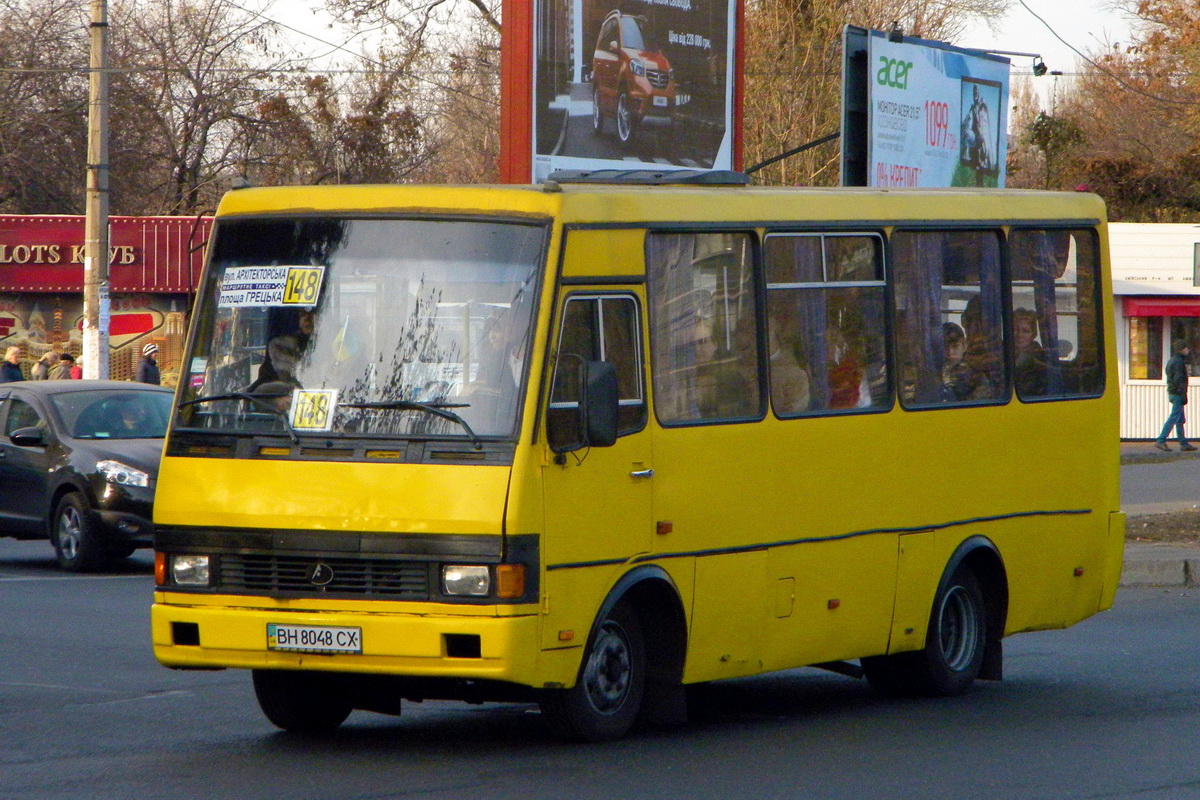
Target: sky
1086	25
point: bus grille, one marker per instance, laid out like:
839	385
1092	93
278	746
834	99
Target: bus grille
351	576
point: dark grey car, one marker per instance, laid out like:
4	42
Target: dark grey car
78	464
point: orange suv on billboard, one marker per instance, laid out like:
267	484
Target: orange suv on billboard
630	81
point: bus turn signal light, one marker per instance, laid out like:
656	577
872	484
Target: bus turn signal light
510	581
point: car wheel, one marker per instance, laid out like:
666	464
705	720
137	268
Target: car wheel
597	114
953	653
301	702
607	696
74	536
625	124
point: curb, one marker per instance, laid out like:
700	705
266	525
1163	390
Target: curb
1161	565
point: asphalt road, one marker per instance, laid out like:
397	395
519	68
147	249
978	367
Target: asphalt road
1160	487
1107	709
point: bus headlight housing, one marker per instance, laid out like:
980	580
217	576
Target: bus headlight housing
190	570
469	581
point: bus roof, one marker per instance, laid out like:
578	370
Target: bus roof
640	204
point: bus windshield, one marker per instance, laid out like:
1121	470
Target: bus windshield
399	327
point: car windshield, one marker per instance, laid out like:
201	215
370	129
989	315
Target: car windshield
364	327
114	413
631	34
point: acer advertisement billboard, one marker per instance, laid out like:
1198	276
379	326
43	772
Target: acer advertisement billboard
918	113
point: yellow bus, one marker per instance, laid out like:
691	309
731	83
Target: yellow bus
590	442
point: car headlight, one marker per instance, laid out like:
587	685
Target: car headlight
116	472
473	581
638	68
190	570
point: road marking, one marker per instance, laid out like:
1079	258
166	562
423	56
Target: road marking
5	579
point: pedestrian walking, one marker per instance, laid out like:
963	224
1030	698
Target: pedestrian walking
1177	383
10	369
147	371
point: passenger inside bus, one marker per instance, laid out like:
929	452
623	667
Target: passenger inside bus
983	355
791	391
1029	373
956	375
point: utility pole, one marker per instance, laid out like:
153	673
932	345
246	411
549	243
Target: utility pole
95	246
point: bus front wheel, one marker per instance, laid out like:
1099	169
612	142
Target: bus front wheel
607	696
954	645
301	702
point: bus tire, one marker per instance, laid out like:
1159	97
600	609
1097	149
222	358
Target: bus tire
954	645
300	702
607	696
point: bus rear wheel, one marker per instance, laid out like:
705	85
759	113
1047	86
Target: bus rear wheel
607	696
954	645
301	702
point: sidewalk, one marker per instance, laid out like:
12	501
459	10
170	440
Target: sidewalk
1151	563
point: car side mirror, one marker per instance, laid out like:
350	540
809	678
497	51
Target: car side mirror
28	437
613	47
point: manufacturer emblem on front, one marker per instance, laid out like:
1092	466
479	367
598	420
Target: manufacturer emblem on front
320	574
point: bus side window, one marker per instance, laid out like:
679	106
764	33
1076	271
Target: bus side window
596	328
948	317
703	327
1056	313
825	323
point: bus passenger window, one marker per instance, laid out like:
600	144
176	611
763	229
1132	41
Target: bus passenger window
825	313
596	328
1056	313
948	317
703	326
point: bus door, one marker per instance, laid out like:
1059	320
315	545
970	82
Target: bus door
597	499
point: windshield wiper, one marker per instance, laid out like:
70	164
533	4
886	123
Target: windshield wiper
258	400
438	409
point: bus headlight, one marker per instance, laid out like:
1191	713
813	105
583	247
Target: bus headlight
189	570
472	581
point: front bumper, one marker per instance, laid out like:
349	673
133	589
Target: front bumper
423	642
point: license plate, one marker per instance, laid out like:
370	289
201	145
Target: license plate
661	101
314	638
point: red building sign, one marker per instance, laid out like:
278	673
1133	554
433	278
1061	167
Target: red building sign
154	268
146	254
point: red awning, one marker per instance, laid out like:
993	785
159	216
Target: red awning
1174	306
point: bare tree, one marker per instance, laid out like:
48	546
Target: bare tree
189	75
43	97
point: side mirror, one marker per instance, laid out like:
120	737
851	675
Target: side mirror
592	421
613	47
600	404
28	437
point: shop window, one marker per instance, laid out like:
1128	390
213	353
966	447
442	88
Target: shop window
1187	329
825	323
703	327
949	317
1056	313
1145	349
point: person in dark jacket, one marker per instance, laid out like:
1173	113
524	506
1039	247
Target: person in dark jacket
1177	383
10	369
147	371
